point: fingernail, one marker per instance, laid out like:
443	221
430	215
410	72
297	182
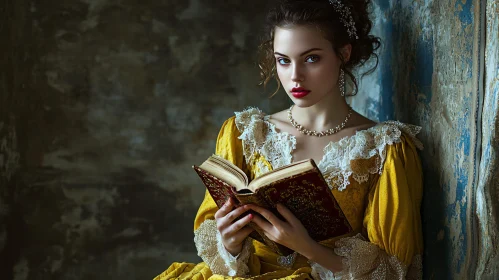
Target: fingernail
251	216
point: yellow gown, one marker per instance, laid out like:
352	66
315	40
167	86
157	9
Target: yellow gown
375	175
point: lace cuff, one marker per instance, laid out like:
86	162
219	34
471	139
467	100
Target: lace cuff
321	273
364	260
211	249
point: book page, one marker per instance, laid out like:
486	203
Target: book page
280	173
225	171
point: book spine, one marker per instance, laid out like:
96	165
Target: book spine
250	198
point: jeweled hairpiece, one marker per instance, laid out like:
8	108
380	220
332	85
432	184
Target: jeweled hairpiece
346	17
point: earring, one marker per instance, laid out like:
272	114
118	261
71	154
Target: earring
342	82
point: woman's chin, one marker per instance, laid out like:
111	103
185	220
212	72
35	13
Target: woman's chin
303	102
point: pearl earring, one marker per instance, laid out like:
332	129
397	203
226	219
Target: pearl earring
342	82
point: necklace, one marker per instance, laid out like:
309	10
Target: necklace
328	132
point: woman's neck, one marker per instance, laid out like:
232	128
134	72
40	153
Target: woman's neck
325	114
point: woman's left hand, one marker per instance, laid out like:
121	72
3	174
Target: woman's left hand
290	232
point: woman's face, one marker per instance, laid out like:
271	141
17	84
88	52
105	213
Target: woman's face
306	64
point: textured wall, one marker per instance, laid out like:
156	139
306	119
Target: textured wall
430	74
488	188
15	67
105	105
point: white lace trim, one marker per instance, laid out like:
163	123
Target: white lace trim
364	260
260	136
210	248
365	144
262	168
321	273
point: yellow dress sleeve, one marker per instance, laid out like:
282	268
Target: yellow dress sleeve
206	236
229	147
392	220
392	217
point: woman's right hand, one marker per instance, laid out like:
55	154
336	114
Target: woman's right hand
233	232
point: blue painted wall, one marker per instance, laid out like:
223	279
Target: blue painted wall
488	187
429	75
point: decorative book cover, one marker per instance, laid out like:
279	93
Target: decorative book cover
306	194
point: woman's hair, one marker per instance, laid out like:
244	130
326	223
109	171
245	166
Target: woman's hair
322	15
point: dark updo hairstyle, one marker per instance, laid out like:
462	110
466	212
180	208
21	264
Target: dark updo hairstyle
322	15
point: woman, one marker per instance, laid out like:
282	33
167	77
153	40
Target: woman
373	170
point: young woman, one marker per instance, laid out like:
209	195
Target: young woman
373	169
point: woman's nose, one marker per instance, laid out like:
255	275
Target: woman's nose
297	75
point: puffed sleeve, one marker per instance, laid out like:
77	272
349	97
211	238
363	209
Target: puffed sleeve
392	219
206	235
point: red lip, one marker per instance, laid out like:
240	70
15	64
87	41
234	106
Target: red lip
299	92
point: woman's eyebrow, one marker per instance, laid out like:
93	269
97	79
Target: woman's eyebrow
302	54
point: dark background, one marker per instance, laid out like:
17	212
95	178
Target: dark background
105	106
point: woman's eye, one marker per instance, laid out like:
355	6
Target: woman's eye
283	61
312	58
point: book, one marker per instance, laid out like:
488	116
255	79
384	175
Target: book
299	186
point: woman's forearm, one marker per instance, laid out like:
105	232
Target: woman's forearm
324	256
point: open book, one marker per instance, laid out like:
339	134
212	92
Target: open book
299	186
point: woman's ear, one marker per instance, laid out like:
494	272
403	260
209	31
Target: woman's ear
346	51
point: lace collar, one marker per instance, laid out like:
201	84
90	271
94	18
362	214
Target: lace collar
259	136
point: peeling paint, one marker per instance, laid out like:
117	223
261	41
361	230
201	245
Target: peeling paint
427	76
488	187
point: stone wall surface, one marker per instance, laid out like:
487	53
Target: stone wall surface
105	105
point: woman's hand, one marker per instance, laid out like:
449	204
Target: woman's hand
233	232
290	232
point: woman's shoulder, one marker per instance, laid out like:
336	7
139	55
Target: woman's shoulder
248	116
252	114
260	136
249	124
241	119
390	132
365	152
377	137
255	123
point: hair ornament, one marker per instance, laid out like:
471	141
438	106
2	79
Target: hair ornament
346	17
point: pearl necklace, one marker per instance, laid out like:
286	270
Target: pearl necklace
328	132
